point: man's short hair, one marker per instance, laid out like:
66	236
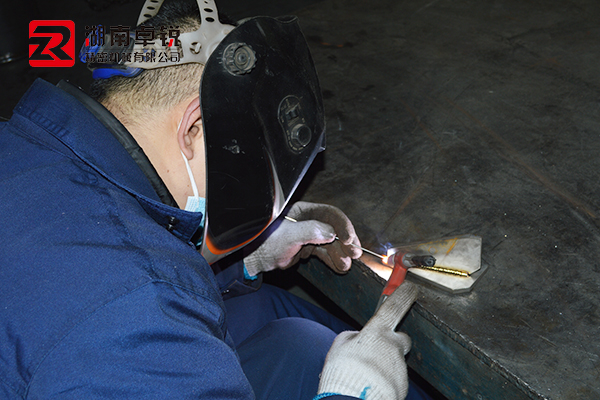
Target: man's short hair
131	99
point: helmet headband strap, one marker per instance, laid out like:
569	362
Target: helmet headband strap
194	47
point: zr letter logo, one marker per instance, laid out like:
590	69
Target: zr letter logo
51	43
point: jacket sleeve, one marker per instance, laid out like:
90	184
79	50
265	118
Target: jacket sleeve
233	280
159	341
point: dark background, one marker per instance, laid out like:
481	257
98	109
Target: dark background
17	76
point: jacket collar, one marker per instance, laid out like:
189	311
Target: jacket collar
124	137
98	139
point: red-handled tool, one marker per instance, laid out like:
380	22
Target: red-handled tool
401	263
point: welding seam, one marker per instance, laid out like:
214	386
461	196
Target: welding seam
443	270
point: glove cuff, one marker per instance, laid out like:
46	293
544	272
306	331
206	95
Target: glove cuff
355	384
252	266
325	395
369	366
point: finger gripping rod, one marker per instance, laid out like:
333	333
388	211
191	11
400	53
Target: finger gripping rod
351	244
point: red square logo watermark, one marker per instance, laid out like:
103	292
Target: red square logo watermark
51	43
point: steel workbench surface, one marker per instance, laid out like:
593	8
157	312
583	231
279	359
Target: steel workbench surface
472	117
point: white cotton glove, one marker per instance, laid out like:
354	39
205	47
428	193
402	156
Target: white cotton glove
313	234
370	364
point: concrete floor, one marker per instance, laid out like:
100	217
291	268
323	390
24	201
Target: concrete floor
451	117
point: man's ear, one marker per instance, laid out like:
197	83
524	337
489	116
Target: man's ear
189	133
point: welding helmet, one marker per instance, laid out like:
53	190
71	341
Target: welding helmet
262	115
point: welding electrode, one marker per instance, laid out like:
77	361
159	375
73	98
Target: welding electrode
401	263
351	244
417	261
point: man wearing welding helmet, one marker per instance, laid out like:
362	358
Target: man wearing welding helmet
119	207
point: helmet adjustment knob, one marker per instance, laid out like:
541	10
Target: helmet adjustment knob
239	58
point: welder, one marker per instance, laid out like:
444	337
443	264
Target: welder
137	223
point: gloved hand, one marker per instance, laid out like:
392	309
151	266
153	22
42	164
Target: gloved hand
314	233
370	364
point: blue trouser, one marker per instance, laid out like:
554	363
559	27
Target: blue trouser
282	341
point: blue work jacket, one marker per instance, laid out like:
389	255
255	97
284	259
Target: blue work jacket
102	292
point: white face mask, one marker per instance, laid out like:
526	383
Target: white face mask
194	203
